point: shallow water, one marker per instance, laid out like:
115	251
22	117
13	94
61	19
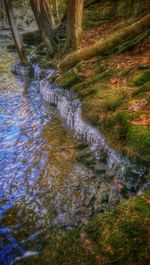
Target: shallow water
40	178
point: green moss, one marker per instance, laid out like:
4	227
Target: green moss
122	232
114	103
119	237
80	86
125	118
47	64
128	45
69	78
143	89
36	59
140	77
102	77
108	10
90	111
139	138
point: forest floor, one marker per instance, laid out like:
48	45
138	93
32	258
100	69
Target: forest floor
115	92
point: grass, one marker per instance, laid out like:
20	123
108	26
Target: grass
144	88
119	237
108	108
139	78
139	138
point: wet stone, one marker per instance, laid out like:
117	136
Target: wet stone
100	168
89	199
64	219
83	211
84	220
86	156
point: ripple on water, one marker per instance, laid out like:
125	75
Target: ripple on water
38	170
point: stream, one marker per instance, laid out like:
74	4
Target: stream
42	184
39	175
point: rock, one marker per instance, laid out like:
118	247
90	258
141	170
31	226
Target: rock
132	178
103	156
84	220
86	156
19	69
100	168
102	197
145	187
64	219
88	199
84	211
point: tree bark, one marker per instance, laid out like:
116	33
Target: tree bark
106	44
74	23
42	17
17	39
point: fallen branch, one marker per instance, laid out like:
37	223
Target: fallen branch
106	44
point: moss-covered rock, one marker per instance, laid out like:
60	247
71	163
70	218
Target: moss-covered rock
86	156
119	237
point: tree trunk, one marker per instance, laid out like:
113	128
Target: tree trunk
74	24
15	33
104	45
2	15
42	17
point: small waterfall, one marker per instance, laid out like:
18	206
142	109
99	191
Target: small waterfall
19	69
70	110
127	172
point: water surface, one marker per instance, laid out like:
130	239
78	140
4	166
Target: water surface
40	179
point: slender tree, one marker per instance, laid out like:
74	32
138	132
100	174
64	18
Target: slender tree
17	39
43	19
74	24
2	15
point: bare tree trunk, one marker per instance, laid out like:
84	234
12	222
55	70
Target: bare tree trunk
74	24
57	11
104	45
16	36
51	14
42	16
2	15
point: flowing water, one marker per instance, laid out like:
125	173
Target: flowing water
40	178
42	184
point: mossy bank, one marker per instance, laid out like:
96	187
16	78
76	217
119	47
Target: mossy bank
115	87
117	237
116	101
